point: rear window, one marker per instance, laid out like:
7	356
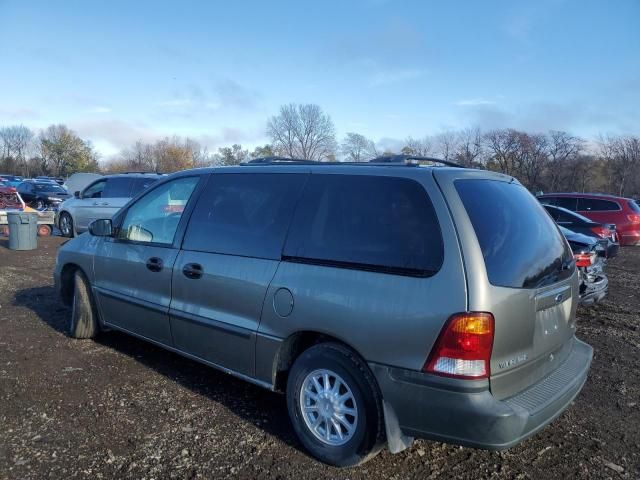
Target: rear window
118	187
373	223
244	214
596	205
521	244
633	205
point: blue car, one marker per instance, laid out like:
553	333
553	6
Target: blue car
11	180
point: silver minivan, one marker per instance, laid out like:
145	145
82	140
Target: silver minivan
388	301
102	198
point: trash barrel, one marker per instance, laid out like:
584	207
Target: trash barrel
23	230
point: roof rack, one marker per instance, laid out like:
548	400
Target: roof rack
275	160
409	159
406	160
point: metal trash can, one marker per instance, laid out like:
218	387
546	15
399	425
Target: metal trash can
23	230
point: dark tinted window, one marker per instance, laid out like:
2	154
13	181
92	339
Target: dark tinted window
369	222
596	205
139	184
521	245
244	214
49	187
117	187
548	200
566	202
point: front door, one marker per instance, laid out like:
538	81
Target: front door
86	207
231	251
133	269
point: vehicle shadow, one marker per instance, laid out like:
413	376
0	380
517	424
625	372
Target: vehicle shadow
263	408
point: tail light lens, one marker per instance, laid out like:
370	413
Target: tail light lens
463	348
634	218
602	232
585	259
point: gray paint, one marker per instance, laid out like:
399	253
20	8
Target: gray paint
239	314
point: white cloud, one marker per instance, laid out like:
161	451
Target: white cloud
395	76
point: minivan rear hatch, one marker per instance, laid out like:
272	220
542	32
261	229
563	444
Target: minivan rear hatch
519	268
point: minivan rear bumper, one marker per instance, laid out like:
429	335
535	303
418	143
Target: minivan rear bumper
465	412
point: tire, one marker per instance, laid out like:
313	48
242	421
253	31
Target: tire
366	437
66	225
84	321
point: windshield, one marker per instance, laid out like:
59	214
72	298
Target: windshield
46	187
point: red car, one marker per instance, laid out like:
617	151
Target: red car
624	212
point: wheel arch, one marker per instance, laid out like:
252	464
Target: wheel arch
67	281
293	346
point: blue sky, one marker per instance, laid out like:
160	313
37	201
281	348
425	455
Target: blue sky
118	71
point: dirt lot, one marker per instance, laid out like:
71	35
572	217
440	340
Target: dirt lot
120	408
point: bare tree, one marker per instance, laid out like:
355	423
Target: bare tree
622	156
17	143
446	144
468	148
562	148
357	148
418	147
502	146
302	131
531	158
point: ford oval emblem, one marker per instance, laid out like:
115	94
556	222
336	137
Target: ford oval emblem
559	297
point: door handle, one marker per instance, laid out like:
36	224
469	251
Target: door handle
154	264
192	270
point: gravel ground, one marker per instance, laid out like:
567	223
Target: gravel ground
120	408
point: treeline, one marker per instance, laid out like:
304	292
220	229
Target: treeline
551	161
56	151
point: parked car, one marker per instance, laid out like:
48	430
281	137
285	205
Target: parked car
12	180
623	212
58	180
581	224
383	300
79	181
100	199
42	195
589	256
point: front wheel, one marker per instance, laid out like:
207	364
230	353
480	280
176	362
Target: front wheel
66	225
335	406
84	321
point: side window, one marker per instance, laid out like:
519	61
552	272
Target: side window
244	214
117	187
138	184
375	223
553	212
95	190
564	217
596	205
154	217
548	200
566	202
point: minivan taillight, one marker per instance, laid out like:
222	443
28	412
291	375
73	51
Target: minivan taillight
634	218
463	348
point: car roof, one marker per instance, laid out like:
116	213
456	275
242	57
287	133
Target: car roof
131	174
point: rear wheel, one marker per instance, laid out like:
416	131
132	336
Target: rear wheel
66	225
44	230
84	321
335	406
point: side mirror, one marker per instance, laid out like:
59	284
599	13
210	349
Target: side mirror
76	194
101	228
